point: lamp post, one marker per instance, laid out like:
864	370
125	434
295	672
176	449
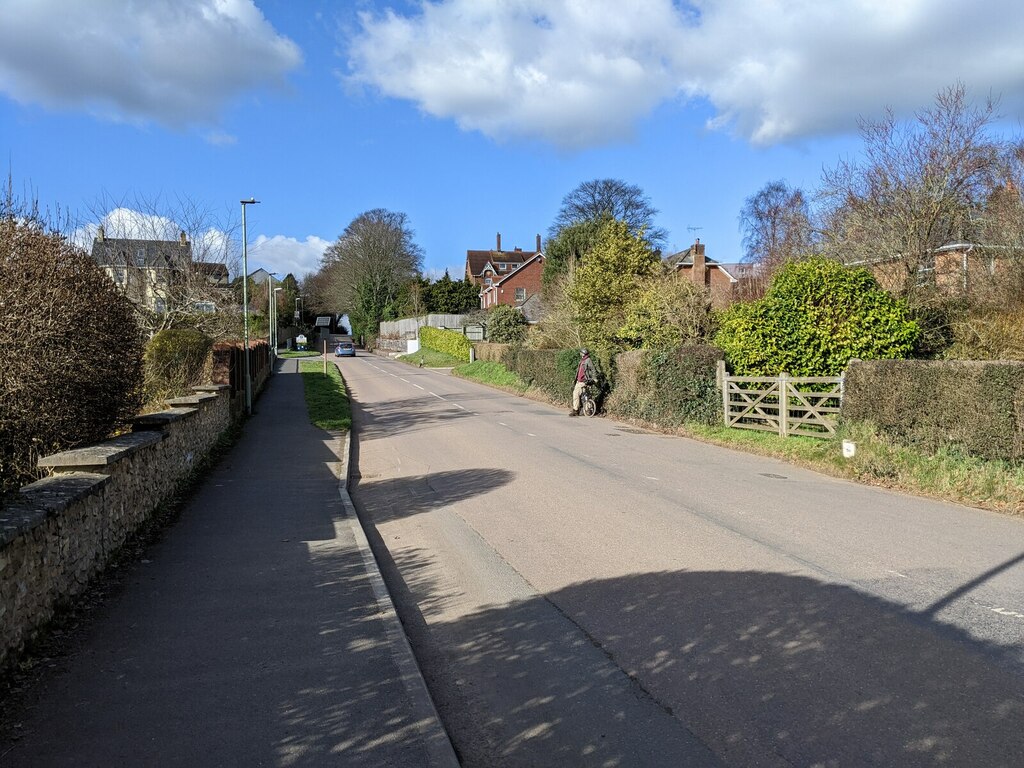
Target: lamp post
273	331
245	307
270	318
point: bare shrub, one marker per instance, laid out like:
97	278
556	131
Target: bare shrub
72	371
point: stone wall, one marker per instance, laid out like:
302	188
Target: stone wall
57	533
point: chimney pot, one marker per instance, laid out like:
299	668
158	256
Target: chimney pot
183	238
538	243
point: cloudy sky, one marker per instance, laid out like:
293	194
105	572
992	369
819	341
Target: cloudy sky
471	116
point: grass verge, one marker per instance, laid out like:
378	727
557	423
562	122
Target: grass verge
431	358
948	475
493	374
326	396
295	353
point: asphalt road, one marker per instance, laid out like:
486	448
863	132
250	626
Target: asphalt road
579	592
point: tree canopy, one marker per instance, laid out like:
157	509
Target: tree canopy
602	198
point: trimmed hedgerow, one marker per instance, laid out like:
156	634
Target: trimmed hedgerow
450	342
974	406
488	352
668	387
552	371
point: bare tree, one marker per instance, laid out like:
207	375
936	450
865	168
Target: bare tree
367	268
776	225
599	198
920	185
172	257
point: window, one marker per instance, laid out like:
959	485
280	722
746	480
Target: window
205	306
502	266
160	306
120	276
520	294
487	281
140	257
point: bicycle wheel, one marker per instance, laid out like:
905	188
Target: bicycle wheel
589	408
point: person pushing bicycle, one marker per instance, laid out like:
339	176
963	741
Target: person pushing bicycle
585	374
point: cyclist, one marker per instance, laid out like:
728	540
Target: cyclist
585	374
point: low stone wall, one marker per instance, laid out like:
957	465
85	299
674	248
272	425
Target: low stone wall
57	533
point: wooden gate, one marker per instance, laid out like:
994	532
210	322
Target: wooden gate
785	405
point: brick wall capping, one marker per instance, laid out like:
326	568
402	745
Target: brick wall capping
159	420
212	388
102	454
30	506
187	401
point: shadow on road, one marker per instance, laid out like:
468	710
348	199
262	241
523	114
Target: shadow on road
763	667
390	417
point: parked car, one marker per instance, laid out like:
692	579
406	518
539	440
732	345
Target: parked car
345	349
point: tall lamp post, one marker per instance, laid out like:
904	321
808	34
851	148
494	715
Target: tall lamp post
245	306
270	318
273	331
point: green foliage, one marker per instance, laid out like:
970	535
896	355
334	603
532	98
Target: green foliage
450	342
506	325
610	279
666	313
452	297
72	367
668	387
816	316
327	398
569	247
490	372
175	361
431	358
977	407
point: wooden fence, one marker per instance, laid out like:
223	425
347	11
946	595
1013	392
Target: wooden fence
785	405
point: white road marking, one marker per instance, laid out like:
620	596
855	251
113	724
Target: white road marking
503	423
405	380
648	477
458	406
417	386
531	434
437	395
1005	612
901	575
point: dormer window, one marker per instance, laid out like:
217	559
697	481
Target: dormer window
502	266
140	257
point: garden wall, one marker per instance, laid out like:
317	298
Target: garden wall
58	532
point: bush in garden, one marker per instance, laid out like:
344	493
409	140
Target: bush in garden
816	316
668	387
72	368
175	361
506	325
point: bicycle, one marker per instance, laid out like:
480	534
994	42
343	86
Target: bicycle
588	406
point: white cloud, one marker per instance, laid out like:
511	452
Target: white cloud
580	73
174	61
285	255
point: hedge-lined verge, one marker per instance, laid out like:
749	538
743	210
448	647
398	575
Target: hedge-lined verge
450	342
668	388
552	371
490	352
976	407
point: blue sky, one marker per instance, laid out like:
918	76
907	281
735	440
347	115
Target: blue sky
471	116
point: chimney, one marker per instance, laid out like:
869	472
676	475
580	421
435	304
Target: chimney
700	265
499	242
183	239
100	234
538	243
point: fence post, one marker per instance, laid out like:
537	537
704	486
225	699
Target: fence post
721	378
783	404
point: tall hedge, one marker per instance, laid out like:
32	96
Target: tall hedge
816	316
72	350
670	387
450	342
976	406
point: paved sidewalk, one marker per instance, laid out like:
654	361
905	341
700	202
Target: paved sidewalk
256	633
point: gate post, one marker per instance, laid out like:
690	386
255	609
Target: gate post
721	379
783	404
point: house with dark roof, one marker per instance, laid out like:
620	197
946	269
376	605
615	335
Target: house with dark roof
148	271
723	281
519	288
485	268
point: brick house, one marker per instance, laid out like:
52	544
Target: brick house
723	281
485	268
953	269
520	288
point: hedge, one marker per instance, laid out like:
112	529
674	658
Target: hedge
668	388
974	406
176	359
449	342
490	352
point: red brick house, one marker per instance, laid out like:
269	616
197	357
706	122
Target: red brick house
485	268
516	288
721	280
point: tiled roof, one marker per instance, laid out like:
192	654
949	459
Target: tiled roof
477	260
156	254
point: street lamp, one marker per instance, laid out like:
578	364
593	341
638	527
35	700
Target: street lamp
245	306
274	327
270	318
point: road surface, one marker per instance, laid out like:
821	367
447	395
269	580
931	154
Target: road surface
582	593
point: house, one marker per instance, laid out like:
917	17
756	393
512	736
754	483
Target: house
520	288
484	268
150	272
260	276
723	281
953	269
146	270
